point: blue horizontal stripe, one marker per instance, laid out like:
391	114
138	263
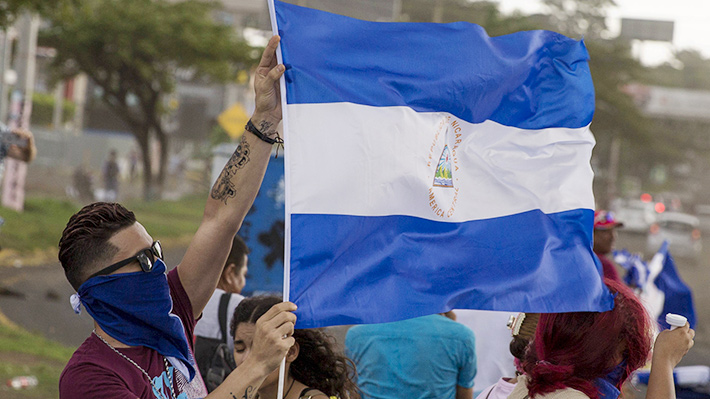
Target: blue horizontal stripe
374	269
530	80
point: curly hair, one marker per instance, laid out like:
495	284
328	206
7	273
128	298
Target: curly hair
317	365
84	243
572	350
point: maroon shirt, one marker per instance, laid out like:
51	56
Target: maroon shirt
609	268
96	371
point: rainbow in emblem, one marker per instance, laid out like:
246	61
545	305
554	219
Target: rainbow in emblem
443	177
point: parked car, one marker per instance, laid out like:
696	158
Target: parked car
636	215
682	232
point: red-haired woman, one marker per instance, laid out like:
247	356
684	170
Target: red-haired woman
589	355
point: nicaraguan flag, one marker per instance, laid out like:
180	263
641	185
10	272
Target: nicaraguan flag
636	269
431	167
664	291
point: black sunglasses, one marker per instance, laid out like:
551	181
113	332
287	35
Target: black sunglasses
145	257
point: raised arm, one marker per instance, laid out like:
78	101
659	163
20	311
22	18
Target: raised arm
235	189
669	349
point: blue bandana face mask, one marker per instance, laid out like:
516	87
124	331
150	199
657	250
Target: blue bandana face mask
134	308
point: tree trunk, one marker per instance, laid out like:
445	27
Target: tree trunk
143	139
163	140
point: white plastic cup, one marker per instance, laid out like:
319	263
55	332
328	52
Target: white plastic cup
675	320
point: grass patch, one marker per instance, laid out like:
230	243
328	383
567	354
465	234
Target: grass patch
165	220
26	354
38	228
17	340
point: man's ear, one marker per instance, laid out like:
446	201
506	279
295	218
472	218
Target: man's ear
293	353
228	274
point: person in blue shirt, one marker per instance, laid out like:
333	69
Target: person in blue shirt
426	357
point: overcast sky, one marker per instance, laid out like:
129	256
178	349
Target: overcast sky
691	17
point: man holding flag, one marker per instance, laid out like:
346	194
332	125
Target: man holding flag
431	167
144	316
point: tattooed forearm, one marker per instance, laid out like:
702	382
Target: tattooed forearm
268	129
224	187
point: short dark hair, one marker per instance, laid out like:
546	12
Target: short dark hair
84	244
239	249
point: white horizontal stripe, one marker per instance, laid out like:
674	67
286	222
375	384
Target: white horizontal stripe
350	159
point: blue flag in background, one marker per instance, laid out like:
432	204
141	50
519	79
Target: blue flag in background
263	232
431	167
658	284
636	269
678	298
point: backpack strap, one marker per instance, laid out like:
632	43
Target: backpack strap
222	314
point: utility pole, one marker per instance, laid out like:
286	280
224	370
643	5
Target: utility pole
13	187
396	10
613	173
8	35
438	16
25	62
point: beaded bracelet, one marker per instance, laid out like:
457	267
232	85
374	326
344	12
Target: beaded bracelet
251	128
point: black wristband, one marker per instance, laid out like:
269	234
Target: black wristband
251	128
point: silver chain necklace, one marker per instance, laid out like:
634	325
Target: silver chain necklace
150	380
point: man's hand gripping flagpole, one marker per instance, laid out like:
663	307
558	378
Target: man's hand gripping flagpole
287	219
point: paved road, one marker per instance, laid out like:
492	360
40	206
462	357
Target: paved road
37	298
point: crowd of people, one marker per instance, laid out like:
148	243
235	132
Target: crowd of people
147	334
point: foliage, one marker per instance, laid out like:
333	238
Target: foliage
134	49
483	13
43	109
218	136
11	9
577	18
693	72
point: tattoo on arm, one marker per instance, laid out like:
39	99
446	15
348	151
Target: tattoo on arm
248	393
224	188
266	128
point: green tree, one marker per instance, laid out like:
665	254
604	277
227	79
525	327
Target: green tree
132	49
483	13
579	17
691	71
9	10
